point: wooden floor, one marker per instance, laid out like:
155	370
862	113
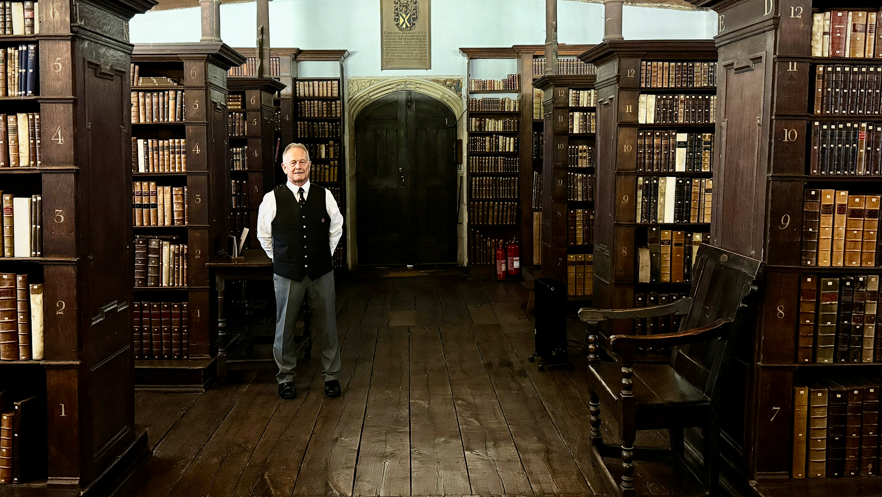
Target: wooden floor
438	399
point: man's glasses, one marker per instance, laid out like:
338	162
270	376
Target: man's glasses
301	162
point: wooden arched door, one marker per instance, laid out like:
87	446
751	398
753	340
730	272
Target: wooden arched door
405	181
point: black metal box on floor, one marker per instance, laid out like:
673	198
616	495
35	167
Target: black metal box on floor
551	323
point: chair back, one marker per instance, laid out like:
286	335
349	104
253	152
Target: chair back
721	284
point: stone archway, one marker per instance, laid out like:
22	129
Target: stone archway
361	91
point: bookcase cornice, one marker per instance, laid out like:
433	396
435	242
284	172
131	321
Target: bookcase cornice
166	52
647	49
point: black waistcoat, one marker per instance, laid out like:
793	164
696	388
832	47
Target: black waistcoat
301	242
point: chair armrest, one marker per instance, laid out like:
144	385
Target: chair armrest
621	344
592	315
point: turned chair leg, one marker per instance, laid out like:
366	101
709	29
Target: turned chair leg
627	485
594	419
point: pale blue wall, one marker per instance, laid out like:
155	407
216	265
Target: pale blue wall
355	25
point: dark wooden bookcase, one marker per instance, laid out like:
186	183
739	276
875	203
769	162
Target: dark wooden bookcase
259	137
202	69
617	232
557	253
305	131
86	376
764	149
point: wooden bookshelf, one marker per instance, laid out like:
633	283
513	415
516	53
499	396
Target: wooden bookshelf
766	106
632	265
201	69
329	168
85	379
259	142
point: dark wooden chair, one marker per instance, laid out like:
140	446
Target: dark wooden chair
681	393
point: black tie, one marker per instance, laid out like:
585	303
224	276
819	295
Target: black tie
302	201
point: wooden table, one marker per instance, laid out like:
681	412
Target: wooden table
254	265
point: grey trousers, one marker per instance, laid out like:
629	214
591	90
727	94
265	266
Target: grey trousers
323	324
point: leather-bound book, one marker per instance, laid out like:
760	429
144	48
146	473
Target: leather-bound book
6	446
8	318
854	410
838	32
29	444
870	231
800	429
156	330
36	296
136	329
854	230
843	322
814	158
828	312
185	330
12	139
166	324
825	234
678	242
857	38
869	429
146	332
154	246
137	213
818	107
808	303
840	215
856	336
665	256
817	431
140	262
870	312
176	330
811	222
23	311
837	412
4	150
571	275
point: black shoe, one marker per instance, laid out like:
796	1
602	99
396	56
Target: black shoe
288	391
332	388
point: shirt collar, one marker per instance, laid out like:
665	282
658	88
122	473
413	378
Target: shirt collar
294	188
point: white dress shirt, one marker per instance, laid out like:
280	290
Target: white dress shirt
267	212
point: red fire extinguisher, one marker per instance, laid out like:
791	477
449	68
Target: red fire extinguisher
514	258
500	263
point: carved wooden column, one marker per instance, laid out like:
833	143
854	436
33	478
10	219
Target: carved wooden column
263	39
210	20
612	17
550	37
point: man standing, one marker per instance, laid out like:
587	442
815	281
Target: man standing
298	226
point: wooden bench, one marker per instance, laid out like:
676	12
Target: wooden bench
682	393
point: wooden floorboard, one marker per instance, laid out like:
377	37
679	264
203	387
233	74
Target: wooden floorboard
438	399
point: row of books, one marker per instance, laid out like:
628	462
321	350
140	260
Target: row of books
239	220
320	108
19	18
489	124
510	82
21	317
249	68
846	33
536	201
158	106
154	205
670	151
235	101
538	106
20	140
667	74
667	256
22	226
580	187
843	89
580	156
583	98
160	262
18	71
151	155
674	200
155	81
338	256
580	275
239	158
23	445
661	324
236	124
239	194
325	173
845	149
677	109
538	144
837	319
583	122
496	213
840	230
326	88
494	187
493	104
330	150
564	66
580	227
493	143
161	330
336	192
836	426
493	165
483	250
307	129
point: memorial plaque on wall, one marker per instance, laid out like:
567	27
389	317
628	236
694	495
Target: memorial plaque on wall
405	34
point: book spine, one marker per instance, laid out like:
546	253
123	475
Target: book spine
828	311
6	444
22	299
808	303
800	429
871	306
811	219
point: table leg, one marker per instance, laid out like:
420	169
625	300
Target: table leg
222	334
